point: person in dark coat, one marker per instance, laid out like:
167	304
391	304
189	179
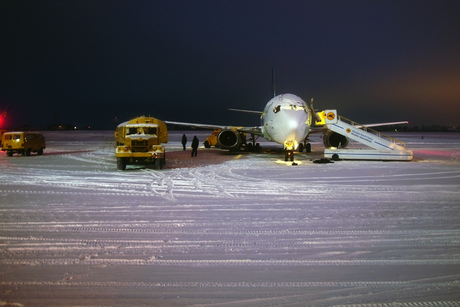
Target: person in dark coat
184	140
195	146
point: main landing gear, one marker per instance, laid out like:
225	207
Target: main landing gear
251	144
305	145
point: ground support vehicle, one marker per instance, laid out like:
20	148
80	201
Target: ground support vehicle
380	146
23	143
212	139
139	141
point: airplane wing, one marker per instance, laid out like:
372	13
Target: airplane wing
194	125
250	130
246	111
382	124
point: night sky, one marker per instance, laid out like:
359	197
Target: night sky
86	63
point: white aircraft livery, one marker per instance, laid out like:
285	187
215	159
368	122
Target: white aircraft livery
286	120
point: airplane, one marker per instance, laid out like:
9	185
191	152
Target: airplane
287	120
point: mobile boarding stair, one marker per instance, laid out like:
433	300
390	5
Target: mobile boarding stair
382	147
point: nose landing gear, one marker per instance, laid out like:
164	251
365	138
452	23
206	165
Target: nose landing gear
289	155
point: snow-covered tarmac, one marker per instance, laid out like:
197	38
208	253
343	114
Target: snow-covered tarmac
229	229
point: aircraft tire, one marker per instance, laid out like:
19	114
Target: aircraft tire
301	147
308	148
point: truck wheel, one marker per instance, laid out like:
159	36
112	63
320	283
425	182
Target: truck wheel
159	163
9	153
28	151
206	144
40	152
121	164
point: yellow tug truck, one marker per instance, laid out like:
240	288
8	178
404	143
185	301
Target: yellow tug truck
139	140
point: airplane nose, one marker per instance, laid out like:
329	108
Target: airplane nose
296	126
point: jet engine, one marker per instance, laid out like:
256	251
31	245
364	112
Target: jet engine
333	139
230	139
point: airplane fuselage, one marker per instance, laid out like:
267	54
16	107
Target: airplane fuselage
286	120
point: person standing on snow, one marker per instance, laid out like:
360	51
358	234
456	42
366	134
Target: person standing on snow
184	141
195	146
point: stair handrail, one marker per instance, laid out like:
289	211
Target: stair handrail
372	131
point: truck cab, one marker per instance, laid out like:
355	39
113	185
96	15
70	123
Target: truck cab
138	141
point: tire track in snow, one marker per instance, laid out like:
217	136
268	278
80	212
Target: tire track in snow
161	184
242	284
178	183
75	193
90	158
152	261
163	227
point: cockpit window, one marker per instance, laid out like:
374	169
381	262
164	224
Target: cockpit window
277	109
